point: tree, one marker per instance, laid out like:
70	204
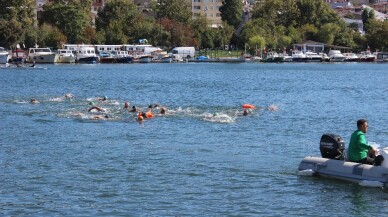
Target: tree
73	20
176	10
231	12
17	23
257	42
377	36
367	15
50	36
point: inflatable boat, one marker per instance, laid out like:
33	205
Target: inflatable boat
333	164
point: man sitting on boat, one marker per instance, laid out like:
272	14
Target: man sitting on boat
359	150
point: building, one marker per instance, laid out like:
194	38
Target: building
210	9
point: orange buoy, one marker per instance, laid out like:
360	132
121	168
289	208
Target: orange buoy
248	106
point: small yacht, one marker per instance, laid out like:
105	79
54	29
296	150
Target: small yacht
86	55
336	56
18	56
298	56
313	57
65	56
3	56
350	57
41	55
272	57
366	56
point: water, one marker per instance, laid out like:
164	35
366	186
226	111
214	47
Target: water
57	160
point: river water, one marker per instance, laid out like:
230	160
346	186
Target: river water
201	158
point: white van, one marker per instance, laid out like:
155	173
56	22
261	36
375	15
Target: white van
184	52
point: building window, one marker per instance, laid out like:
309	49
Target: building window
197	7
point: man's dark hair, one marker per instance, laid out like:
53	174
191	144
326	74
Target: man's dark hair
361	122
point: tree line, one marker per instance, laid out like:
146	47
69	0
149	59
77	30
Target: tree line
273	24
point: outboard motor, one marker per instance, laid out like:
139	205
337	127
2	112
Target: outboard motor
332	146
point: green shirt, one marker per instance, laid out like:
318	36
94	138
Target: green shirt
358	147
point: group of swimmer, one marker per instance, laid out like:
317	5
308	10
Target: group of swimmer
140	116
101	113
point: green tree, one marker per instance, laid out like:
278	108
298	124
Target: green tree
73	20
17	22
367	15
176	10
258	43
327	33
231	12
50	36
377	36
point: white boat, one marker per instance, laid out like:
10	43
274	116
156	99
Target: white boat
285	57
65	56
4	56
298	56
325	57
351	57
366	56
272	57
41	55
313	57
145	59
83	53
336	56
333	165
122	56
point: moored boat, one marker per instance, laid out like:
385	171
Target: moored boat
366	56
83	53
145	59
313	57
18	56
336	56
3	56
381	57
333	165
41	55
350	57
272	57
65	56
298	56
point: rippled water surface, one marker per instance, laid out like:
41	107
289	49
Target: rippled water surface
202	158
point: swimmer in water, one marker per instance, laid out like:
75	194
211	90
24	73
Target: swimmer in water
34	101
126	105
69	96
163	110
140	119
103	99
134	109
101	117
245	113
99	109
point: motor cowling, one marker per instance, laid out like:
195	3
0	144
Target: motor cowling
332	146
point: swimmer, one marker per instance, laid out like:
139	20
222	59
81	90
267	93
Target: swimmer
101	117
140	119
96	108
126	105
69	96
134	109
34	101
163	110
103	99
245	113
